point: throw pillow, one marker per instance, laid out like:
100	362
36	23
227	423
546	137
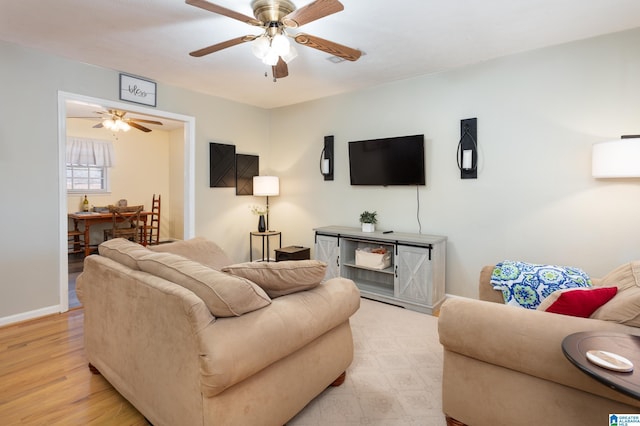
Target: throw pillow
224	295
123	251
624	276
527	284
624	308
281	278
577	302
198	249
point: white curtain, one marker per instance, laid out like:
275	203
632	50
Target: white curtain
90	152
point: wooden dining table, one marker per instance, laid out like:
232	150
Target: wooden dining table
88	219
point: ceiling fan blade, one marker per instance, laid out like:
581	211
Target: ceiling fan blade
311	12
140	120
280	70
202	4
330	47
225	44
138	126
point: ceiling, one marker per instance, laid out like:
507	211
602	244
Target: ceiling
400	38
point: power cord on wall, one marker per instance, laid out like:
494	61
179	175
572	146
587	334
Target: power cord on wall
418	209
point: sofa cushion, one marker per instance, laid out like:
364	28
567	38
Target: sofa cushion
624	308
224	295
281	278
577	302
123	251
527	284
198	249
624	276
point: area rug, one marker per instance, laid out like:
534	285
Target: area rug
395	378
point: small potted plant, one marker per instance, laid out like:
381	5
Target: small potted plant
368	221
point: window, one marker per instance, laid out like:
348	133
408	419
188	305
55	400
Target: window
88	163
87	179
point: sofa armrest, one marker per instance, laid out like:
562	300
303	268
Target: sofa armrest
140	333
523	340
485	289
265	336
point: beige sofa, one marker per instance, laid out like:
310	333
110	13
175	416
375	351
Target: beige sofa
504	365
160	346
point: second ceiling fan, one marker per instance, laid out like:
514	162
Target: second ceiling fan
275	16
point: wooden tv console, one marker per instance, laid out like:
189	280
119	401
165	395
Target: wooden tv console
415	278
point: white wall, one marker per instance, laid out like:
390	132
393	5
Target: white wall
534	199
29	181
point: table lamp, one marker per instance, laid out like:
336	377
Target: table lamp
266	186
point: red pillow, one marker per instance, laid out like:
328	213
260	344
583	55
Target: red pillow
580	302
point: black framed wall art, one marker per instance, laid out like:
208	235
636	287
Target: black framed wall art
247	166
222	165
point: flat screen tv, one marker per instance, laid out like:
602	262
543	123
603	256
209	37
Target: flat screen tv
389	161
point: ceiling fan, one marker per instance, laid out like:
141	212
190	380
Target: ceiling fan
116	121
275	17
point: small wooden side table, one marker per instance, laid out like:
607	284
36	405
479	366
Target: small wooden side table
265	239
575	347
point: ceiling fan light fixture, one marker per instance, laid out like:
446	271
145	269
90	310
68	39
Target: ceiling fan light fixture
122	125
109	124
260	46
280	43
115	125
291	55
271	58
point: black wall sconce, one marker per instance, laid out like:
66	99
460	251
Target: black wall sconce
467	154
326	158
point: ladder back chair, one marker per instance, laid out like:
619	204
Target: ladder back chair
126	223
153	228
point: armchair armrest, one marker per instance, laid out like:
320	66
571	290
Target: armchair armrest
520	339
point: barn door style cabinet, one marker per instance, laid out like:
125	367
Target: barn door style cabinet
398	268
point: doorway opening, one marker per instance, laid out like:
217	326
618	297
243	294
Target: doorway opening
184	201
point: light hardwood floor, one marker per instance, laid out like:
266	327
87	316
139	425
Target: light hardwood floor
395	378
44	378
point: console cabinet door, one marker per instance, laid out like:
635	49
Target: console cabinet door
327	251
414	275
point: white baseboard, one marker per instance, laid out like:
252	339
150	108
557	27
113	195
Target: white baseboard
24	316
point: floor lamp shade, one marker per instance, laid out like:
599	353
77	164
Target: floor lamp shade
619	158
266	185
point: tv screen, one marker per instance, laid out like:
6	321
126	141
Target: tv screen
389	161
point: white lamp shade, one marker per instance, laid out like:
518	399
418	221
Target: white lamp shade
616	159
266	185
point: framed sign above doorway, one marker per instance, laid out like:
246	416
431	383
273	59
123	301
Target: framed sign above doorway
138	90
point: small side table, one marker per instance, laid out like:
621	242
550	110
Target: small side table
265	239
293	253
575	347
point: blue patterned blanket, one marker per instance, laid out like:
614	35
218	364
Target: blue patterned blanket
527	284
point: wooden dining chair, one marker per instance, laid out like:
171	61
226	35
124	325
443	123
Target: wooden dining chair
75	240
153	228
126	223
